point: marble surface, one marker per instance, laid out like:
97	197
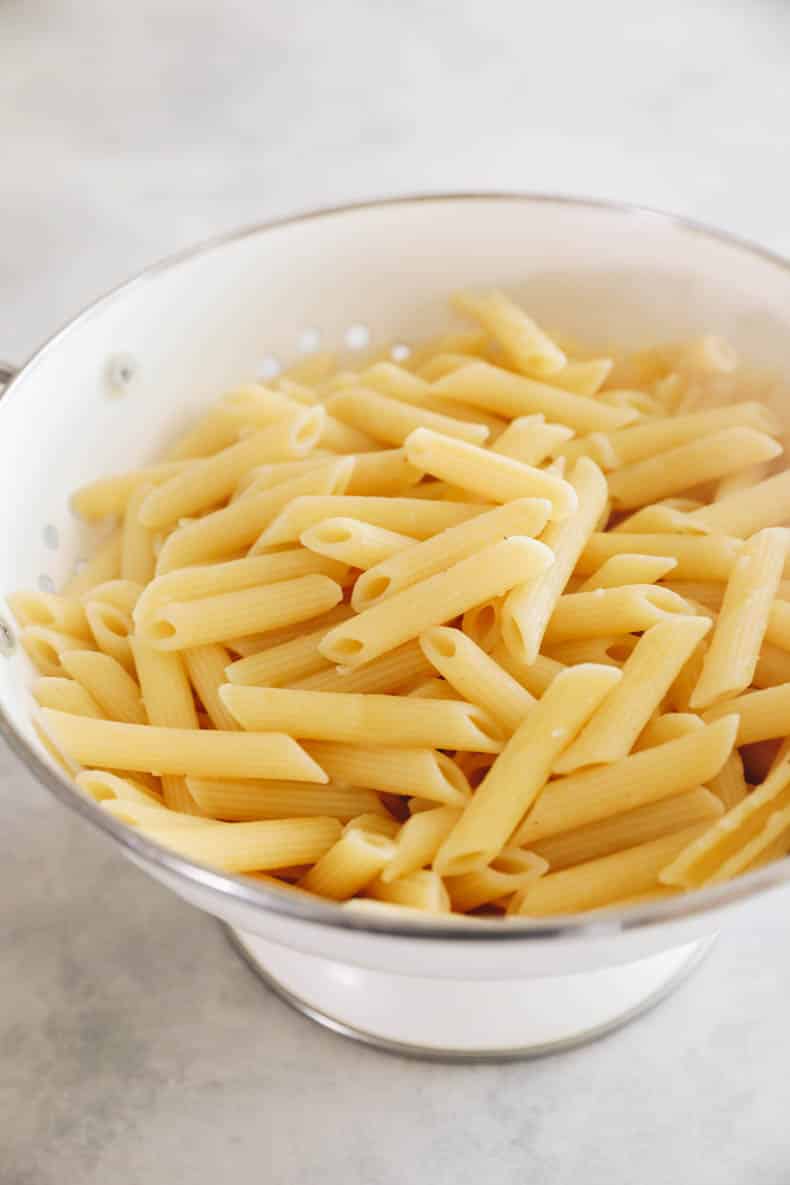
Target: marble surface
135	1047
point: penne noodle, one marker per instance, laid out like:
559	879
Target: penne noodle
364	719
420	772
582	378
386	473
109	496
709	557
531	440
489	475
66	695
356	858
603	881
729	784
447	546
245	800
419	890
510	396
418	841
647	776
731	658
181	624
481	624
391	421
168	701
104	565
762	715
607	611
245	847
45	648
361	545
64	614
108	683
137	542
206	666
689	464
222	534
512	870
287	661
377	823
206	754
391	672
111	628
648	674
476	676
667	728
489	573
410	516
529	607
632	568
641	825
742	514
522	769
207	482
525	344
536	676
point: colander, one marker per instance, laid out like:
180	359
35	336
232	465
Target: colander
108	390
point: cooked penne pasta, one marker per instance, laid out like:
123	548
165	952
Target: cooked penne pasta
526	345
362	545
511	871
646	776
393	671
180	624
406	772
510	395
418	841
167	697
742	514
528	607
109	496
243	800
447	546
111	628
632	568
489	475
64	614
364	719
481	624
530	439
419	890
729	785
689	464
626	830
66	695
410	516
536	676
108	683
489	573
609	610
668	728
762	715
476	676
605	880
392	421
648	674
138	560
246	847
104	565
222	534
709	557
522	769
349	865
206	754
583	378
734	648
206	666
287	661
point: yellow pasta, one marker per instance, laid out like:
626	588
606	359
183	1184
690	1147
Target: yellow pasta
528	607
364	719
167	697
522	769
530	439
689	464
448	545
607	611
392	421
482	624
114	745
476	676
419	890
104	565
137	542
489	573
526	345
206	666
510	395
244	847
729	784
349	865
626	830
66	695
698	558
418	841
742	514
648	674
287	661
605	880
207	482
508	873
416	517
110	685
180	624
646	776
489	475
630	569
393	671
362	545
406	772
668	728
731	658
109	496
51	611
111	628
244	800
762	715
225	532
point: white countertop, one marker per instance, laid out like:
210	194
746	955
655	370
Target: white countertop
135	1047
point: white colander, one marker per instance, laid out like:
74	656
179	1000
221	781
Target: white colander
106	392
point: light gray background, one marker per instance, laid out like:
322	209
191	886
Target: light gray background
135	1048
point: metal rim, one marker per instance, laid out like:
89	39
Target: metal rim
466	1056
226	887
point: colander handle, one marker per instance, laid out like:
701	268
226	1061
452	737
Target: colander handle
7	372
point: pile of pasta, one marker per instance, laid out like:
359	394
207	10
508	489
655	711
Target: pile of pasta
500	625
